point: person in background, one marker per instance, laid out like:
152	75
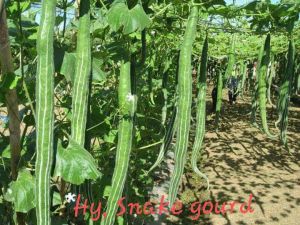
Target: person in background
214	94
232	89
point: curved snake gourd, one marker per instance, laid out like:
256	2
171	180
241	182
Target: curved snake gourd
254	85
219	97
81	87
201	112
184	102
231	59
44	111
127	103
262	84
169	133
270	80
244	77
82	74
285	92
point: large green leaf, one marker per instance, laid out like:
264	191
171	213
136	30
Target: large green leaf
135	19
138	20
98	73
21	192
117	14
68	66
75	164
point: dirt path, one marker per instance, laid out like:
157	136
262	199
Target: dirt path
240	160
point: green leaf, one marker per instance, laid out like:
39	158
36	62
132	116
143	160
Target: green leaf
18	72
138	20
9	81
58	20
33	37
117	14
56	200
59	54
252	5
6	152
75	164
107	191
23	6
21	192
111	136
98	73
120	220
68	66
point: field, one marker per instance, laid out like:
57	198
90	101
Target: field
242	161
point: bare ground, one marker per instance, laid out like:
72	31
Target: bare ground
240	160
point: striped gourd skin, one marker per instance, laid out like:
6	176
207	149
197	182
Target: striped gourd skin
219	98
285	91
244	73
184	103
169	131
262	84
44	111
80	89
255	88
82	74
166	141
125	130
231	59
201	112
165	95
270	79
254	98
297	74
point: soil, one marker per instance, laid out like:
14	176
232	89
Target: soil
241	161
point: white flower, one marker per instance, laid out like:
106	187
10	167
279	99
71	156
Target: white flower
9	191
70	197
153	32
130	97
98	48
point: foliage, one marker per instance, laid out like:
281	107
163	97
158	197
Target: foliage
74	164
21	192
